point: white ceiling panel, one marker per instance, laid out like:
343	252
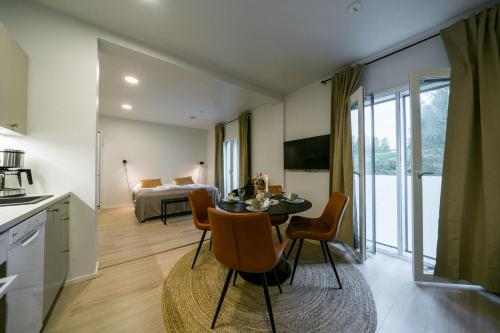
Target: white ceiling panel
280	45
167	93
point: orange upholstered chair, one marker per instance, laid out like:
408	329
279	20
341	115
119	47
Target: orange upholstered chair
244	242
275	189
276	220
200	201
322	229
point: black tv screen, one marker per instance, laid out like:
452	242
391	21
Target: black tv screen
308	154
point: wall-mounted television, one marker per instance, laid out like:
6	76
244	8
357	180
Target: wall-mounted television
308	154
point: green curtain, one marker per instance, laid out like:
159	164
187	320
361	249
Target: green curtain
341	170
244	147
219	157
469	218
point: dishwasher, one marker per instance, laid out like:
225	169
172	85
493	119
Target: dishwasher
25	260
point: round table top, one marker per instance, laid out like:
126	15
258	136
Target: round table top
283	207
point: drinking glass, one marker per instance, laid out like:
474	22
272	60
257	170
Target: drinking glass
241	193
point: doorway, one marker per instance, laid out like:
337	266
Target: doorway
429	103
403	158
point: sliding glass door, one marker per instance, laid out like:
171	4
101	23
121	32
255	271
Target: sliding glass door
429	104
385	153
404	134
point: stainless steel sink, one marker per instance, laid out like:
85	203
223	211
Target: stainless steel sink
28	200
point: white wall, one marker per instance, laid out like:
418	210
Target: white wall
393	71
152	151
266	124
210	163
307	114
231	130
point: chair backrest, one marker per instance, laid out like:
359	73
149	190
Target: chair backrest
275	189
199	200
243	242
334	211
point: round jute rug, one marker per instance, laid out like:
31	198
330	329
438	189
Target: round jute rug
311	304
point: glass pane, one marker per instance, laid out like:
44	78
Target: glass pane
369	177
236	169
356	169
409	190
433	112
386	185
227	168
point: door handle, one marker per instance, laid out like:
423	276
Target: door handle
35	235
423	173
5	284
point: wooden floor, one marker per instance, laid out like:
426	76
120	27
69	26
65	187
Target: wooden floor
126	297
121	238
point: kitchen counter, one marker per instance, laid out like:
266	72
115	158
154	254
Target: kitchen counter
12	215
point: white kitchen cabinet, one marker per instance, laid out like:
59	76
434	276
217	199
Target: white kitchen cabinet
13	84
56	252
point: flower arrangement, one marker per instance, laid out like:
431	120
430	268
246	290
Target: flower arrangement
258	182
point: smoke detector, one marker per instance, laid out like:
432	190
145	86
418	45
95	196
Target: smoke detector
354	7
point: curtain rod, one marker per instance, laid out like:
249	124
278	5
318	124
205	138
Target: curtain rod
390	54
236	118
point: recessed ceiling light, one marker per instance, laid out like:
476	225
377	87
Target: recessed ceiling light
131	80
192	117
127	106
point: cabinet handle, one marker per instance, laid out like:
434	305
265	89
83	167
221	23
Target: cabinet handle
16	125
66	203
63	219
53	210
64	251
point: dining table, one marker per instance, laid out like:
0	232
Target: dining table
284	206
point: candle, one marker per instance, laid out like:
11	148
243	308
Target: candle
266	178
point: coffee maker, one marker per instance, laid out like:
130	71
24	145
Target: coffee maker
11	164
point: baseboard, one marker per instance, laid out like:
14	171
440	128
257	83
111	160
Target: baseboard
116	206
82	278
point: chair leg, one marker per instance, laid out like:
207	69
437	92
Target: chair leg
268	300
235	276
333	264
199	247
296	259
210	245
291	248
222	295
277	280
278	232
323	250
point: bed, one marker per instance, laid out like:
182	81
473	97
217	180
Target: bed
147	201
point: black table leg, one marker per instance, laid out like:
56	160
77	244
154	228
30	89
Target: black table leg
163	213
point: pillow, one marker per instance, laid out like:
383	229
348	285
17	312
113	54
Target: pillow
150	182
183	181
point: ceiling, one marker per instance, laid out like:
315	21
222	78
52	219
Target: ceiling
279	45
167	93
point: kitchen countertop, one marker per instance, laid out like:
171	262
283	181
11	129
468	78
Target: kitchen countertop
12	215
